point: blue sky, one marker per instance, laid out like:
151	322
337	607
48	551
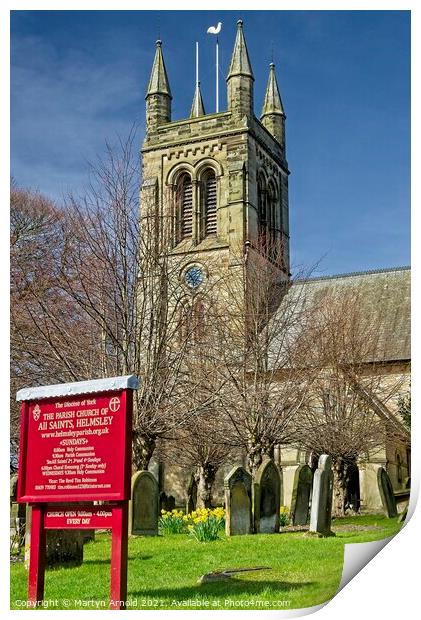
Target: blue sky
78	78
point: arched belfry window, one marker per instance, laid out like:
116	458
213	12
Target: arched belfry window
209	204
184	199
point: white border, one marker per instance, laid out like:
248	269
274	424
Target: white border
388	586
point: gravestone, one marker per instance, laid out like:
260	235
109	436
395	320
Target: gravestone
63	547
191	502
386	493
266	498
17	511
88	535
13	487
144	505
238	518
166	502
301	495
321	500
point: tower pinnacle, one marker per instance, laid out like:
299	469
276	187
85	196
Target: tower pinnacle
197	108
158	96
273	102
240	77
240	61
273	115
158	82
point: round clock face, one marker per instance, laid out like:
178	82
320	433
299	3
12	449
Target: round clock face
194	276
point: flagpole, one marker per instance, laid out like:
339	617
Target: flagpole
197	76
217	75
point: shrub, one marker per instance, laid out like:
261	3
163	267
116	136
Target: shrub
283	516
172	522
206	524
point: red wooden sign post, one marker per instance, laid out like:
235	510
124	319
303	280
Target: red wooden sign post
75	446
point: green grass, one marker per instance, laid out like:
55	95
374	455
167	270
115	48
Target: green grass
163	571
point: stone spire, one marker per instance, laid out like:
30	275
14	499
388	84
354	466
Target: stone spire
197	108
158	82
240	77
158	96
273	101
273	115
240	61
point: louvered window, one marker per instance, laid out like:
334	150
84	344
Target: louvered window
209	206
185	208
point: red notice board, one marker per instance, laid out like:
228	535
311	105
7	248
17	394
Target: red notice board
76	447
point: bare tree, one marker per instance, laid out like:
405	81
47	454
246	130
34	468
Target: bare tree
348	412
118	268
96	292
47	330
200	445
263	385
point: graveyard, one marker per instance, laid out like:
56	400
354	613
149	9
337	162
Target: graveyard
252	553
163	571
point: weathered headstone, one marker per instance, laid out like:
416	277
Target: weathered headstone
17	516
166	502
88	535
64	547
13	487
17	511
321	500
301	495
238	518
266	498
191	502
144	505
386	493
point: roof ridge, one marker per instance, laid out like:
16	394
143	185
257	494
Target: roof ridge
355	273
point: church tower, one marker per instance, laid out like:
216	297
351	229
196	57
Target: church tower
220	180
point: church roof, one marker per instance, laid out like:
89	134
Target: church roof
385	297
240	60
158	82
273	102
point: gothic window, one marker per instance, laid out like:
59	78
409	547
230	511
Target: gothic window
399	475
262	214
198	319
184	321
184	207
191	321
271	217
209	204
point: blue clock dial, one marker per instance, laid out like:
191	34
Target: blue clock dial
194	276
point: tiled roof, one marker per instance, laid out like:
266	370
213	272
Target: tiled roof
385	294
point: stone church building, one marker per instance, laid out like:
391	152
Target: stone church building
229	174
